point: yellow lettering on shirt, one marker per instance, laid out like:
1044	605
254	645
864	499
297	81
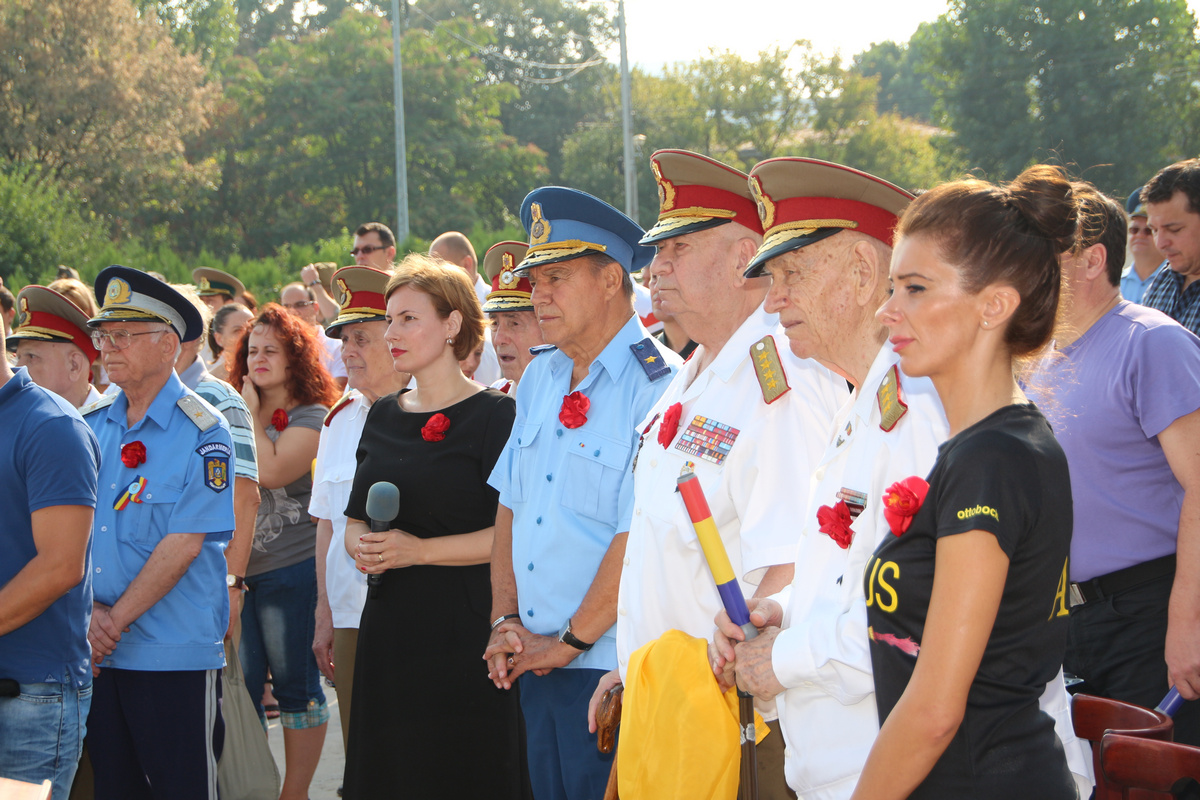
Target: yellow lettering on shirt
977	511
879	572
1060	608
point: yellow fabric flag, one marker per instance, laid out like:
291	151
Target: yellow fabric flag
679	734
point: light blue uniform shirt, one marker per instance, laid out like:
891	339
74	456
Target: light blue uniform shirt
188	489
1132	286
571	490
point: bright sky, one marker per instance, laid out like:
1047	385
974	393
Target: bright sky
667	31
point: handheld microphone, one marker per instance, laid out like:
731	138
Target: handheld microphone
383	505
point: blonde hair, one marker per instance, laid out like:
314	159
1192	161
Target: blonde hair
450	290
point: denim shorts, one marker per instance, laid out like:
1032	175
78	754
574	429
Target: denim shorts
43	730
278	622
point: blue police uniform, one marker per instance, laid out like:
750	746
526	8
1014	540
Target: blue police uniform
571	489
155	729
187	488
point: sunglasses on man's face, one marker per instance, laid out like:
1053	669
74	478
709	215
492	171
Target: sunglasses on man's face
367	249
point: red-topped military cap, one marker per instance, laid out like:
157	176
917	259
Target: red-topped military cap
805	200
359	294
45	315
695	193
509	291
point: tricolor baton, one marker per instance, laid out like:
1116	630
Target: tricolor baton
735	607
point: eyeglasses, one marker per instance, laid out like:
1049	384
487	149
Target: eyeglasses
118	340
298	306
367	249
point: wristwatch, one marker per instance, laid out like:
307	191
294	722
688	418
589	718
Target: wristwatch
313	283
235	582
566	637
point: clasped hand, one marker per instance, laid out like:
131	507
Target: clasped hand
377	552
748	664
512	650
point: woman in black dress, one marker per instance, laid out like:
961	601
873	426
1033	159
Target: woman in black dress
966	602
429	724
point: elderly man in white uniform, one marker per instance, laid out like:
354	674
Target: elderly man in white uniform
827	247
748	420
341	588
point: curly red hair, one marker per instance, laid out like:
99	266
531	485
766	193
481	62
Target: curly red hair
308	381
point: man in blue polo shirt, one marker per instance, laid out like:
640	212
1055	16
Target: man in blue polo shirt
49	459
165	516
565	481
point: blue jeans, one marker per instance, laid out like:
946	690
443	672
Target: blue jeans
564	763
41	733
278	622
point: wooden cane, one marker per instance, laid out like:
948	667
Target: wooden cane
608	719
735	607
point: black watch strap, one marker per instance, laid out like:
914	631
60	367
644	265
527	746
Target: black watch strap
566	637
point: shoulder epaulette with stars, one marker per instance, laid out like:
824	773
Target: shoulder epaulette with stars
103	402
338	406
891	403
772	379
194	407
651	360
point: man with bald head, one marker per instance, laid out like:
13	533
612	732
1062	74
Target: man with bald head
52	341
455	248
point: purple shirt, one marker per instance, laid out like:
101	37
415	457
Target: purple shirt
1130	375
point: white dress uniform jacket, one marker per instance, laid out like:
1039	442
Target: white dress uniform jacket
756	494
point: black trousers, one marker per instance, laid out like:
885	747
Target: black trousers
1116	645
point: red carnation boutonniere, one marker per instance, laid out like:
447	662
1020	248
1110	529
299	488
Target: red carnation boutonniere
670	424
133	454
279	420
435	429
574	410
835	523
902	501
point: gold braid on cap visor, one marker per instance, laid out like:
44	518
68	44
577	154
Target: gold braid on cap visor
801	227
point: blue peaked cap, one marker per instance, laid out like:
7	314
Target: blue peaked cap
566	223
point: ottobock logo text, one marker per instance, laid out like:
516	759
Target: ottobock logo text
976	511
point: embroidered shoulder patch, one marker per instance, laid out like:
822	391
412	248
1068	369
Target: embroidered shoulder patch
194	407
650	359
772	380
891	402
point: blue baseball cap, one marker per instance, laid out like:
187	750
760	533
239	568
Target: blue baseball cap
1134	206
127	294
566	223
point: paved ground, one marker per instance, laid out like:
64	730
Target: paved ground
329	770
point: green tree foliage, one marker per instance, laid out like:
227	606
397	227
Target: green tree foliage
42	225
207	28
307	145
901	90
104	107
1106	86
527	43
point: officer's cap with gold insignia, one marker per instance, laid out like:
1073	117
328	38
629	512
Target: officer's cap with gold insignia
45	315
210	282
566	223
695	193
804	200
359	294
130	295
509	292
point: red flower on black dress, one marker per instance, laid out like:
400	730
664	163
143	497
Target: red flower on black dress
670	424
835	523
902	501
133	454
435	429
279	420
574	410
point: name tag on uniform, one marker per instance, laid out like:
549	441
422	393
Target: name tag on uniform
707	439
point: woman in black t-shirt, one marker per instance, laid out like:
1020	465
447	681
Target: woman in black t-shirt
967	601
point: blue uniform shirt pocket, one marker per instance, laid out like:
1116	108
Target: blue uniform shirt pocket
153	516
523	461
596	467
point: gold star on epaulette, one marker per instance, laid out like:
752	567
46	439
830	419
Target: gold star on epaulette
772	379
